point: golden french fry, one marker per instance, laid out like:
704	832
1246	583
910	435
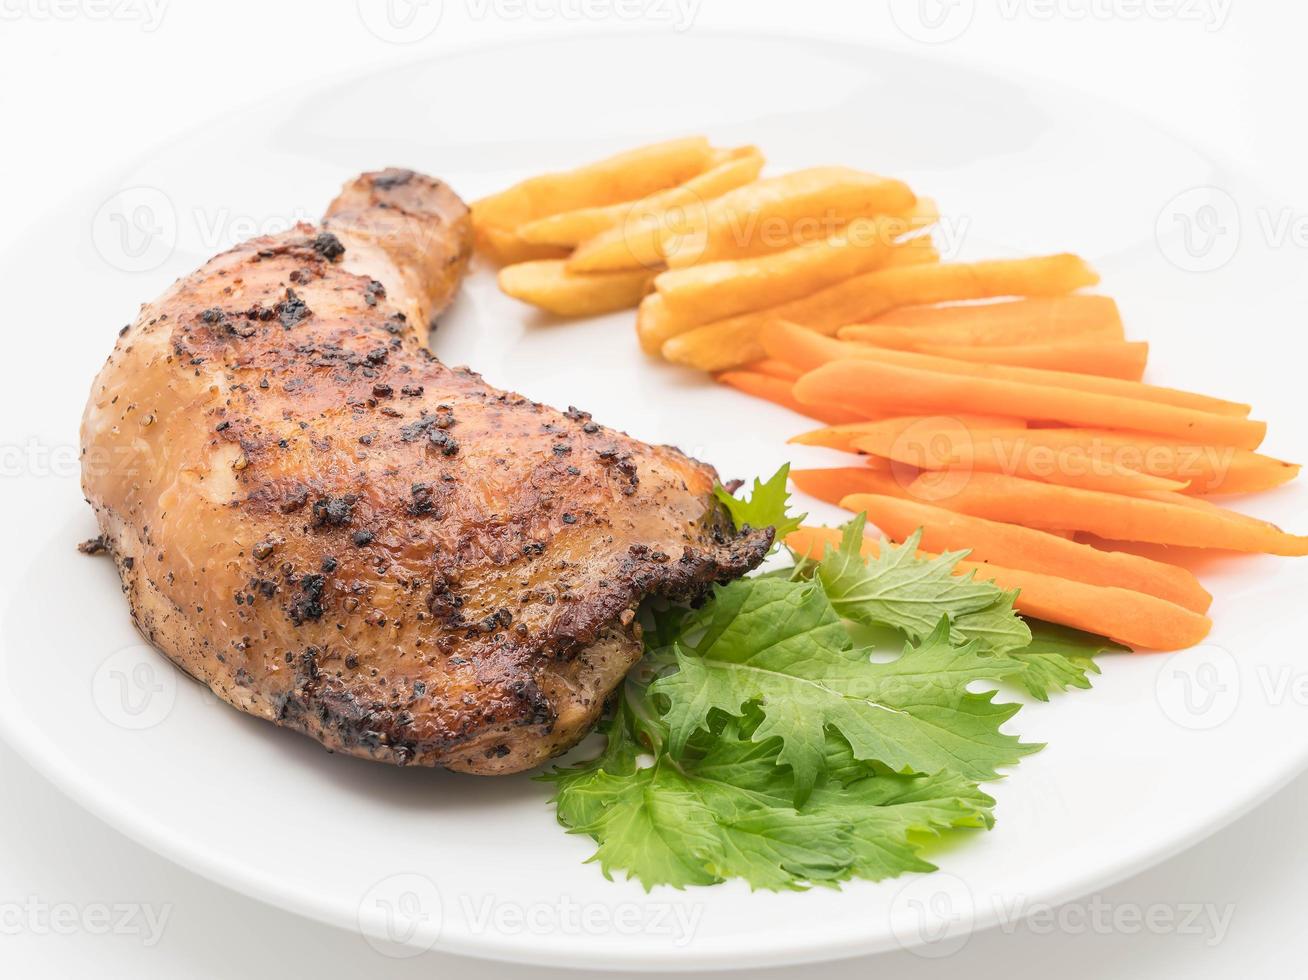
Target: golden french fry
624	177
638	240
716	290
576	227
734	341
923	214
782	212
656	324
503	246
547	283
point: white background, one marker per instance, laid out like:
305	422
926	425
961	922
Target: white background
86	86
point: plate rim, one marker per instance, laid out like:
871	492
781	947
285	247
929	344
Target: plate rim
157	836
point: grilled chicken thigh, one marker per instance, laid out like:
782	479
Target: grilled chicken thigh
340	534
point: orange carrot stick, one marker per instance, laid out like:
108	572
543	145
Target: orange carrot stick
777	369
1109	359
843	436
871	387
1013	546
941	444
1133	618
1206	469
834	484
1162	518
807	350
781	392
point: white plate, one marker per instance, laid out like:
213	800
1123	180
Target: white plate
1161	753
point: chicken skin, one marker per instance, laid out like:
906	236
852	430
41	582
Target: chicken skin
340	534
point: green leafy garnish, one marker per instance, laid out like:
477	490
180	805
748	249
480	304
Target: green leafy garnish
780	645
762	738
1059	658
766	506
724	810
900	590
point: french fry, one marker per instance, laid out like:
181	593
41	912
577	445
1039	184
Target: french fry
909	338
573	228
1012	321
1109	358
1014	546
631	240
547	283
1160	518
503	246
843	437
778	391
871	387
782	212
807	350
716	290
1134	618
777	369
734	341
624	177
656	324
937	446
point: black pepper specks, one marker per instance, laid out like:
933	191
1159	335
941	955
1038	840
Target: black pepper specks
328	246
292	310
333	511
442	440
307	603
392	178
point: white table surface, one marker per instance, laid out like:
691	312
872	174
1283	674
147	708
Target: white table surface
86	85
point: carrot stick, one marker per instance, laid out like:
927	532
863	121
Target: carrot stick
777	369
941	444
1013	546
1206	469
844	436
835	484
869	387
728	343
780	392
1110	359
1162	518
1134	618
807	350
